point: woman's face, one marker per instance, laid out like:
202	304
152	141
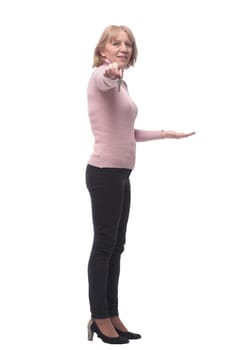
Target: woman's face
119	49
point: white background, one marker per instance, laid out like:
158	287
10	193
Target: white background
176	284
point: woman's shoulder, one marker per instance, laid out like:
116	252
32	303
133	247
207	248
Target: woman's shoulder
96	77
98	70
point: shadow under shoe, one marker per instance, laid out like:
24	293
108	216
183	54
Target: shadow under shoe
93	328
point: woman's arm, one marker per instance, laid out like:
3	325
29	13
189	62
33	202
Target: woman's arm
148	135
108	76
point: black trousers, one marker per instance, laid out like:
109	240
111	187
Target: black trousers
109	190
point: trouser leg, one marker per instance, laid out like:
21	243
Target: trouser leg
114	266
107	189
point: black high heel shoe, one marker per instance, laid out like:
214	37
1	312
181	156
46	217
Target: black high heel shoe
93	328
128	335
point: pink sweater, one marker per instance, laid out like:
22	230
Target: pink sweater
112	116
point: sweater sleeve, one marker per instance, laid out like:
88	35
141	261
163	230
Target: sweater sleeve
104	83
147	135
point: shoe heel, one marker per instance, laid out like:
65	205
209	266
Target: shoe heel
90	333
93	328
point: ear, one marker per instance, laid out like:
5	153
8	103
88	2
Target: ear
102	52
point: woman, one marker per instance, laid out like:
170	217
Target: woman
112	115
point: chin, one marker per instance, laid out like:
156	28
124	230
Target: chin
123	65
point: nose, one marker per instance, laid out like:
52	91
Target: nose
124	47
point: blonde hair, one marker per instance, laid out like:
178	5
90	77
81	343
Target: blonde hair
108	34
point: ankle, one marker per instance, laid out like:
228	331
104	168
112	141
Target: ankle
106	327
102	321
117	323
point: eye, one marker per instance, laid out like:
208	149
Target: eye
128	45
